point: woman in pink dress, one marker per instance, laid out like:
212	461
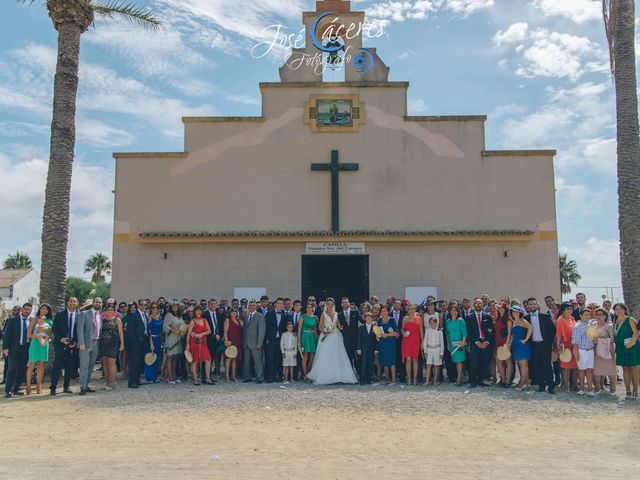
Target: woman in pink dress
411	340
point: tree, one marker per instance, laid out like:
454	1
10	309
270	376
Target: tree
568	274
619	20
18	260
98	263
77	287
71	18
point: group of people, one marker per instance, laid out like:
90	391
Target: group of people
576	347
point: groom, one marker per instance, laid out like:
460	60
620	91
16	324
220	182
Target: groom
349	321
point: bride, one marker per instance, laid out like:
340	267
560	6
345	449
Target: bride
331	364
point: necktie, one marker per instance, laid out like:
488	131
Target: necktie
23	331
70	334
144	323
348	317
96	326
214	322
480	327
250	317
296	318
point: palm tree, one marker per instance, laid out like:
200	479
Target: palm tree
568	274
98	263
18	260
71	18
619	20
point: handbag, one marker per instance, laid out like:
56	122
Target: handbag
603	348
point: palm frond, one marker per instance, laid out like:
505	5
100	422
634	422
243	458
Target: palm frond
127	11
28	2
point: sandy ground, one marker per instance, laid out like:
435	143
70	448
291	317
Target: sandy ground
341	432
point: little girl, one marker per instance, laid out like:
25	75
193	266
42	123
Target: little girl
288	343
433	348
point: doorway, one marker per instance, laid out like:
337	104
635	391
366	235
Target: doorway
336	276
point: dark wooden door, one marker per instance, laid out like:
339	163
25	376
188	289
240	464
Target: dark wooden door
336	276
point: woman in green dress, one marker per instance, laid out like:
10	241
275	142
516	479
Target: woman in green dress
39	333
307	338
627	348
457	339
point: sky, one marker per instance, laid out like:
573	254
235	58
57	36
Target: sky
538	68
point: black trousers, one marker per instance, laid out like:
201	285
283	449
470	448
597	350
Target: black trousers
64	361
366	368
18	359
5	370
478	364
134	356
541	363
272	361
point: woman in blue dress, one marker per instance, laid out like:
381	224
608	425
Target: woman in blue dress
521	350
388	344
155	328
456	329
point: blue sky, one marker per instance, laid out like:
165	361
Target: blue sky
537	68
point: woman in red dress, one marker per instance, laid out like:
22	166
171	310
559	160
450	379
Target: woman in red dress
410	347
232	336
197	333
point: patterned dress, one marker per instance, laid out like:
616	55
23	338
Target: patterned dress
109	339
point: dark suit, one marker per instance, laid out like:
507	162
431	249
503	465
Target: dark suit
216	324
350	332
16	341
366	343
273	356
480	357
65	355
137	338
541	367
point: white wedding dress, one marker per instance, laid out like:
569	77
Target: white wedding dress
331	363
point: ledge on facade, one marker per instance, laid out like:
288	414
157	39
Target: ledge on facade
345	233
222	119
519	153
334	84
446	118
118	155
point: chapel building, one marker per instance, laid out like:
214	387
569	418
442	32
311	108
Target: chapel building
334	190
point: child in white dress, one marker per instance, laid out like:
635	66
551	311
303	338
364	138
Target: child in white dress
433	348
288	343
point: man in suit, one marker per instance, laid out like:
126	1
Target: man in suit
253	333
14	311
15	348
366	344
65	335
397	314
264	305
544	333
88	329
349	321
581	298
480	336
216	324
137	336
276	324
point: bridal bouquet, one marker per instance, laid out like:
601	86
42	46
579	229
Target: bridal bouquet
327	330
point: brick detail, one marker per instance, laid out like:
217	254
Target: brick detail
333	6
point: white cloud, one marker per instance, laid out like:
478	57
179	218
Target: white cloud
596	252
554	54
98	134
399	11
579	11
515	33
100	90
22	188
417	105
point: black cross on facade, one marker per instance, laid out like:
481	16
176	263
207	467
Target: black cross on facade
335	167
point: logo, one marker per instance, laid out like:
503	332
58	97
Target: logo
330	43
